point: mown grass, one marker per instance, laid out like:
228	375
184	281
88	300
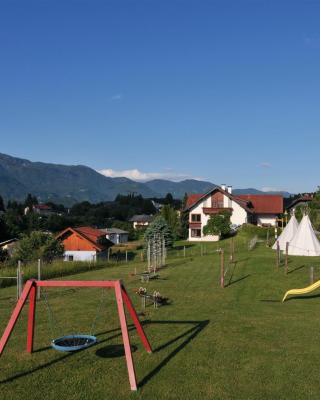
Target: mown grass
240	342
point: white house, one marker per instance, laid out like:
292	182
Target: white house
141	221
116	235
256	209
84	243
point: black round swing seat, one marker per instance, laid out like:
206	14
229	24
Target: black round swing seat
73	342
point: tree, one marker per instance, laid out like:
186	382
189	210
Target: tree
37	245
2	208
159	226
172	219
4	233
218	224
169	199
184	219
30	201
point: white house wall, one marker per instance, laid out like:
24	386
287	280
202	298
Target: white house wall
266	220
80	255
239	216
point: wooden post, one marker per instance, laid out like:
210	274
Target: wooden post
232	249
149	256
184	251
286	259
39	279
20	283
31	318
278	254
126	256
311	275
14	316
222	268
141	256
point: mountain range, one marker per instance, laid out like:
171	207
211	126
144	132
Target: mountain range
70	184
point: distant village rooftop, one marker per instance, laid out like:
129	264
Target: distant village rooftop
141	218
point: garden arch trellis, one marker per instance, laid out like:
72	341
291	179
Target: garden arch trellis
122	297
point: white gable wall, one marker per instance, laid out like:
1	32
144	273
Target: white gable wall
239	216
80	255
266	219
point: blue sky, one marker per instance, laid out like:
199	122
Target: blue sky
227	91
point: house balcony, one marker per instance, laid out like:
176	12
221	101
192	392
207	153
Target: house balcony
215	210
194	225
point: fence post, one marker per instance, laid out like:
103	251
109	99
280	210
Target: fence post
286	259
311	275
18	274
222	268
184	251
126	256
19	280
232	249
278	255
39	279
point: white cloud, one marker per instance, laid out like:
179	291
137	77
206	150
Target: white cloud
265	165
312	41
137	175
116	97
271	189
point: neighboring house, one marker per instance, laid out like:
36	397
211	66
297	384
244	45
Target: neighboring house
156	205
41	209
84	243
9	245
256	209
141	221
298	202
116	235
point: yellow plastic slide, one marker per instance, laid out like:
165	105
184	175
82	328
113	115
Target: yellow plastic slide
305	290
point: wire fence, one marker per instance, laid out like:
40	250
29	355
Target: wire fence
16	275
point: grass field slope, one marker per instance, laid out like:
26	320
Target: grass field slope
239	342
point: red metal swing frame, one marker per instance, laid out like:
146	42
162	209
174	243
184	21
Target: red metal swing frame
122	298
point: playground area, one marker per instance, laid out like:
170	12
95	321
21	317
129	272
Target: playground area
237	342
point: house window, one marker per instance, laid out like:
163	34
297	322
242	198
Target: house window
196	217
196	233
70	258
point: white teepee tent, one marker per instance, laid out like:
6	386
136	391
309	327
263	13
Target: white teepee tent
305	241
287	234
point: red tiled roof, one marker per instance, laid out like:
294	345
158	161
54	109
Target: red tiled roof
192	199
91	233
264	204
259	204
42	207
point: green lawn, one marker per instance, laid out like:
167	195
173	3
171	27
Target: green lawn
240	342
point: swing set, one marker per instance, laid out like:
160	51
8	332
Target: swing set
77	342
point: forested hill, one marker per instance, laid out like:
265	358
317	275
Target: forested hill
72	184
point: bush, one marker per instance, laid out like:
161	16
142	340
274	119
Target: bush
250	231
218	224
37	245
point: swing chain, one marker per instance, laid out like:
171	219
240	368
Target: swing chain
98	311
52	321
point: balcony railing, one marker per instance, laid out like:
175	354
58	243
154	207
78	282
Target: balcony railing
215	210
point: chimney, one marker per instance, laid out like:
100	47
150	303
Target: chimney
230	189
223	186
